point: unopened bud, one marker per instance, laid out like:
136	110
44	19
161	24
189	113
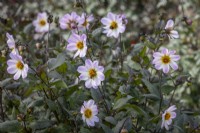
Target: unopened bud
38	45
20	117
78	4
187	21
50	19
124	130
20	48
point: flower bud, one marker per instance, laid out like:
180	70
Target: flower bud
50	19
38	45
187	21
124	130
20	48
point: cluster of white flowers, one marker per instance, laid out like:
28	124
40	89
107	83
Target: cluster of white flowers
91	72
15	64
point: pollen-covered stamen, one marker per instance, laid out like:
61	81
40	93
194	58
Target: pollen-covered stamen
20	65
165	59
92	73
167	116
80	45
88	113
42	22
113	25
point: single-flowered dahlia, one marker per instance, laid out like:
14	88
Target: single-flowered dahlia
11	43
164	59
85	21
167	117
16	66
113	25
41	24
69	21
77	43
169	28
92	73
89	111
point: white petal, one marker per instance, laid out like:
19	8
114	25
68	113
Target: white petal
175	57
88	84
171	108
12	69
82	69
17	75
101	76
105	21
174	34
170	24
71	47
173	115
165	51
174	65
165	68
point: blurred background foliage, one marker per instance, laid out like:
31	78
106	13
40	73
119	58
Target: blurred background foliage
49	100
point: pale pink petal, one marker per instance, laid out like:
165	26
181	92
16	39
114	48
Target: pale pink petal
174	34
165	68
165	51
171	108
12	69
174	65
173	115
71	47
82	69
105	21
175	57
88	83
170	24
17	75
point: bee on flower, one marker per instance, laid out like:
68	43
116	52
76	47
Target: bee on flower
11	43
89	111
41	24
164	59
77	43
167	117
169	28
17	66
92	73
85	21
69	21
113	25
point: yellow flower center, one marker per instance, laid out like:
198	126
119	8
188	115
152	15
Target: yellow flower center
85	23
113	25
165	59
92	73
42	22
167	116
79	45
88	113
20	65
